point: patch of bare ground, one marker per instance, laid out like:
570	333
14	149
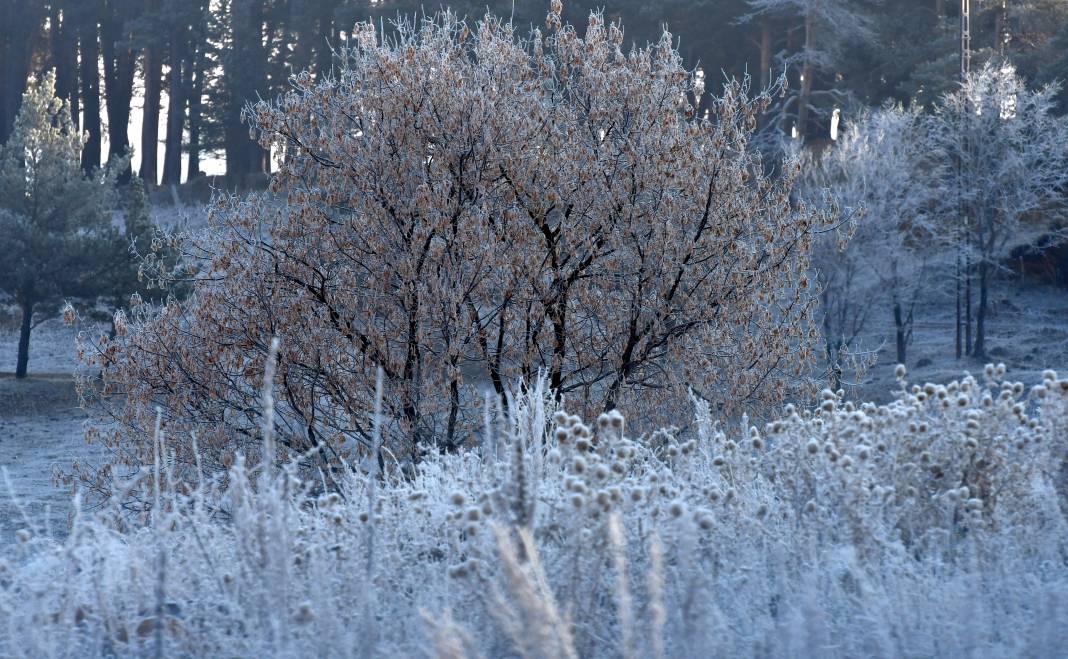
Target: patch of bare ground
42	428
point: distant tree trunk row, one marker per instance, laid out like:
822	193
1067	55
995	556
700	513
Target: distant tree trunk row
199	62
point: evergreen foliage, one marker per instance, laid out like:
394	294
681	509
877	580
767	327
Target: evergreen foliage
56	234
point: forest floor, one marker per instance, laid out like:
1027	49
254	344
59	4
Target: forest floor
41	431
1027	331
42	426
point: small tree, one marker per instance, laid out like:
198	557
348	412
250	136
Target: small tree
1003	168
464	209
877	172
55	234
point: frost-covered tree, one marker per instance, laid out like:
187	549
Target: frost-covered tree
877	174
463	209
1003	167
56	237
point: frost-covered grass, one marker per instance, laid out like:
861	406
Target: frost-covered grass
930	526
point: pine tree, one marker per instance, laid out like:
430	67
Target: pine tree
55	234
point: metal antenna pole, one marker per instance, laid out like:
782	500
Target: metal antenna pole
965	38
1005	34
963	320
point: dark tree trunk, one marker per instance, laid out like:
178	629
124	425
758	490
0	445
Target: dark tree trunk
765	53
558	315
324	55
5	20
74	93
196	86
21	26
65	57
958	317
90	79
198	65
969	348
245	66
24	340
119	66
172	158
153	67
303	30
979	349
450	445
807	72
901	331
833	349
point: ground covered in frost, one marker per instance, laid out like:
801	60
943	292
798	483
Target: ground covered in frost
929	526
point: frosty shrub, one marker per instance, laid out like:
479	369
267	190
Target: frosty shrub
876	172
462	208
930	526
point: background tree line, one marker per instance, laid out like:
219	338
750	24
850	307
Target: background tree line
206	59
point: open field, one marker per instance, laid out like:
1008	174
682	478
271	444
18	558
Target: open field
41	430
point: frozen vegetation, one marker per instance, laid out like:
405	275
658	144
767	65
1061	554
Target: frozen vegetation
929	526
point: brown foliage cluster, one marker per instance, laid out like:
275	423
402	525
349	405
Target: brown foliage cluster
465	209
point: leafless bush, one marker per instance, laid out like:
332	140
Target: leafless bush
463	208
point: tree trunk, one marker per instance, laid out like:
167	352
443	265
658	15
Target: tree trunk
558	315
5	20
195	79
195	95
957	317
900	331
245	68
90	79
304	34
119	66
765	53
324	54
807	72
969	348
979	349
153	66
834	370
24	340
65	58
22	22
172	158
450	445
